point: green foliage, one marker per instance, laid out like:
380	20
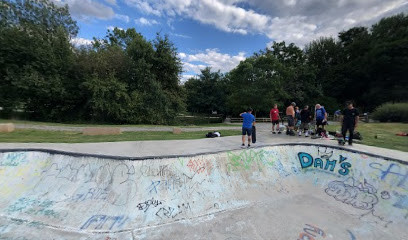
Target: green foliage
206	93
277	75
391	112
122	78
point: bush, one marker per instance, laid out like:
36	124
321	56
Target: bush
391	112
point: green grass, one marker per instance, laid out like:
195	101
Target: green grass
381	135
39	136
111	125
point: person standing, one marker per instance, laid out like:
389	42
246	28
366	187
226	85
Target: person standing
349	121
297	118
247	123
274	115
305	117
290	114
320	116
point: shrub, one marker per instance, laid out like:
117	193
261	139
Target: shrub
391	112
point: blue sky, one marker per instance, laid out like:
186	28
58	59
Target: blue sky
221	33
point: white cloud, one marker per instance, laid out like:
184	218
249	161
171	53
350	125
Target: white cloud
111	2
81	41
144	21
193	63
298	21
186	77
85	9
180	35
123	18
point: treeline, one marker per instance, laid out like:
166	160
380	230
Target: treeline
125	78
366	65
121	78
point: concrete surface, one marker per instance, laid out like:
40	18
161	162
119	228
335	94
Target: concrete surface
277	192
183	147
203	189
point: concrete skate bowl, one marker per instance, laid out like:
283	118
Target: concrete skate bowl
275	192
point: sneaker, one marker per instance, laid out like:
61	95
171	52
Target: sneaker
243	145
249	145
300	134
274	132
279	132
306	134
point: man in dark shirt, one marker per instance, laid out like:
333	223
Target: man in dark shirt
349	121
305	117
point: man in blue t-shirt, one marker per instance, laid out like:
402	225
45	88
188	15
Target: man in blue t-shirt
320	116
248	122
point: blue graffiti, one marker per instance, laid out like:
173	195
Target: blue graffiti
400	174
351	235
402	203
98	221
307	160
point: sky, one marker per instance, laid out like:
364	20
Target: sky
221	33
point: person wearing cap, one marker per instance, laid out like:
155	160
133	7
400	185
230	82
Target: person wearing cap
290	114
247	123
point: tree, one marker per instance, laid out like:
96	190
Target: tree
35	55
207	93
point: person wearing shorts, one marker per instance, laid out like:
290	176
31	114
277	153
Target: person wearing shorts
247	123
320	116
305	117
274	115
297	118
290	114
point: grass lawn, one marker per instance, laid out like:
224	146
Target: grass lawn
112	125
381	134
39	136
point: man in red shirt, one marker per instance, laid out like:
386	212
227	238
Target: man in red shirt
274	115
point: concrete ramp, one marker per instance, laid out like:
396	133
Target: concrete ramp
275	192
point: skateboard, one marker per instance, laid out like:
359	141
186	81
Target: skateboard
253	134
341	141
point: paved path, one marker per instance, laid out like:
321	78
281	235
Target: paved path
183	147
125	129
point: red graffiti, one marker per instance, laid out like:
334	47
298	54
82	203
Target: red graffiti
200	166
310	232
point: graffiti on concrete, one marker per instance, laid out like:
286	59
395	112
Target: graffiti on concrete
310	232
359	195
34	207
392	173
307	160
149	203
248	159
13	159
372	217
402	202
111	184
325	152
172	212
104	222
200	166
352	237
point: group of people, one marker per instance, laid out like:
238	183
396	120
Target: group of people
300	120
